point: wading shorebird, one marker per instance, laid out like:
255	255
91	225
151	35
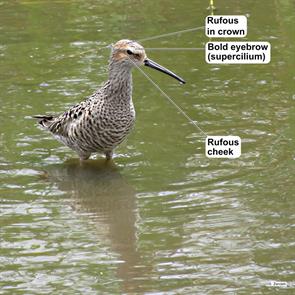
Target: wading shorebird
102	121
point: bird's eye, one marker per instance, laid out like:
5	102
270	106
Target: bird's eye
129	52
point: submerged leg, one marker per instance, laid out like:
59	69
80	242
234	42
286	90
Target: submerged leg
109	155
84	156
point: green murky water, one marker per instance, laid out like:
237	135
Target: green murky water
163	218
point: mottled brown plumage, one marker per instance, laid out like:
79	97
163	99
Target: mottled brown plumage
102	121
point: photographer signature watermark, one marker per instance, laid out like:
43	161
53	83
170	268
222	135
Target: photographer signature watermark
280	284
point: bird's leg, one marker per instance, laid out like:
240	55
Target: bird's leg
84	157
109	155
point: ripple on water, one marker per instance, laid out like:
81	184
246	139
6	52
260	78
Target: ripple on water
19	172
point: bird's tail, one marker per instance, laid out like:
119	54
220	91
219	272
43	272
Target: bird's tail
44	120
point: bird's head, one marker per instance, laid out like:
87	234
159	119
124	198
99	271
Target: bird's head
130	53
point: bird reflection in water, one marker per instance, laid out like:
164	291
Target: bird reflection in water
98	188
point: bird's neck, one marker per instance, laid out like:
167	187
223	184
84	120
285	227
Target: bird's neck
120	81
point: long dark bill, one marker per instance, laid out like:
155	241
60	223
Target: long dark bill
154	65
